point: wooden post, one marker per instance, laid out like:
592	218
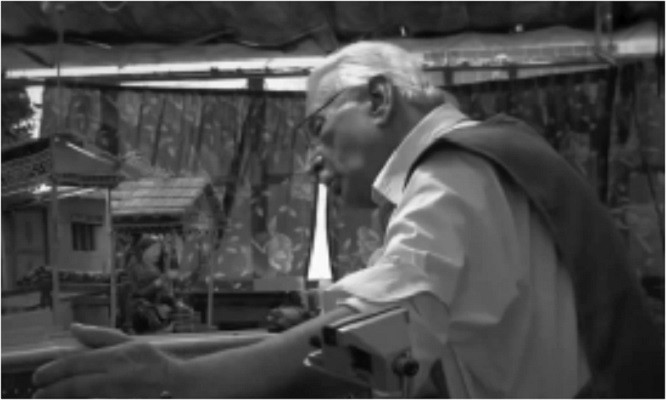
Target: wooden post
113	282
211	278
166	249
53	249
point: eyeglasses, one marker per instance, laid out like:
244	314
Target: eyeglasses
314	121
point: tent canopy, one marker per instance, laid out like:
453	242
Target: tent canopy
279	25
117	33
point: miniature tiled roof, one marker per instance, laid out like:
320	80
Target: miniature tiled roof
157	196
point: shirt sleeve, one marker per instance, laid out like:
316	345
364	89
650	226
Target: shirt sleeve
426	239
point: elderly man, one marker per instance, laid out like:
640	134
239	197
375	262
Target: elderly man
482	247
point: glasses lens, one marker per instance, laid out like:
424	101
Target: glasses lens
314	125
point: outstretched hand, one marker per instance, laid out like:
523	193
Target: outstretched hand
113	365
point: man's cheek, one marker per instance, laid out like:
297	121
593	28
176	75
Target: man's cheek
351	161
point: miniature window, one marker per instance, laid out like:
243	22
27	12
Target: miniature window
83	237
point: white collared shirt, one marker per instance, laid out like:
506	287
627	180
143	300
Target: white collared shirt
477	269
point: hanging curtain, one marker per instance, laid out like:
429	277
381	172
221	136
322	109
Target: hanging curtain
608	124
636	164
245	143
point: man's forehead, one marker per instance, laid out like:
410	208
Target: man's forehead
334	80
326	87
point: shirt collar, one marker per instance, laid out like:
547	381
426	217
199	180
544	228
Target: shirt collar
389	184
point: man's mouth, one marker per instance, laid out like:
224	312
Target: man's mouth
335	192
332	180
335	186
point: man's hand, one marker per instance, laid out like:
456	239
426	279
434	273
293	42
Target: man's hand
114	365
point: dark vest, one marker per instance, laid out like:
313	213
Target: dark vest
624	348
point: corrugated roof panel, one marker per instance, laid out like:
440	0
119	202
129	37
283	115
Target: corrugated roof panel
153	197
146	212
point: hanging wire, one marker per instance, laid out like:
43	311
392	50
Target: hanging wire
59	11
660	50
653	193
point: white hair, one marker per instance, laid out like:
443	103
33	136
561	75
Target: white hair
357	63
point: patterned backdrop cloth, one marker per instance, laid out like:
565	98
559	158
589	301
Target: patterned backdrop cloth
244	143
609	124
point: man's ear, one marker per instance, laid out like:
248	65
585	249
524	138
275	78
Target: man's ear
382	98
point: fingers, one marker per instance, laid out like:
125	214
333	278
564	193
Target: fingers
83	386
130	370
85	363
96	336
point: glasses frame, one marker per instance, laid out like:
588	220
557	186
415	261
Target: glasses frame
317	112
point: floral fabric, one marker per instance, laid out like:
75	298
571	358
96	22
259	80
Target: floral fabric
244	143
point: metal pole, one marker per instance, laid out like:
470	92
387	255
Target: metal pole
113	290
53	242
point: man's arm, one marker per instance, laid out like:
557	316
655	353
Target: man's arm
120	367
271	368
